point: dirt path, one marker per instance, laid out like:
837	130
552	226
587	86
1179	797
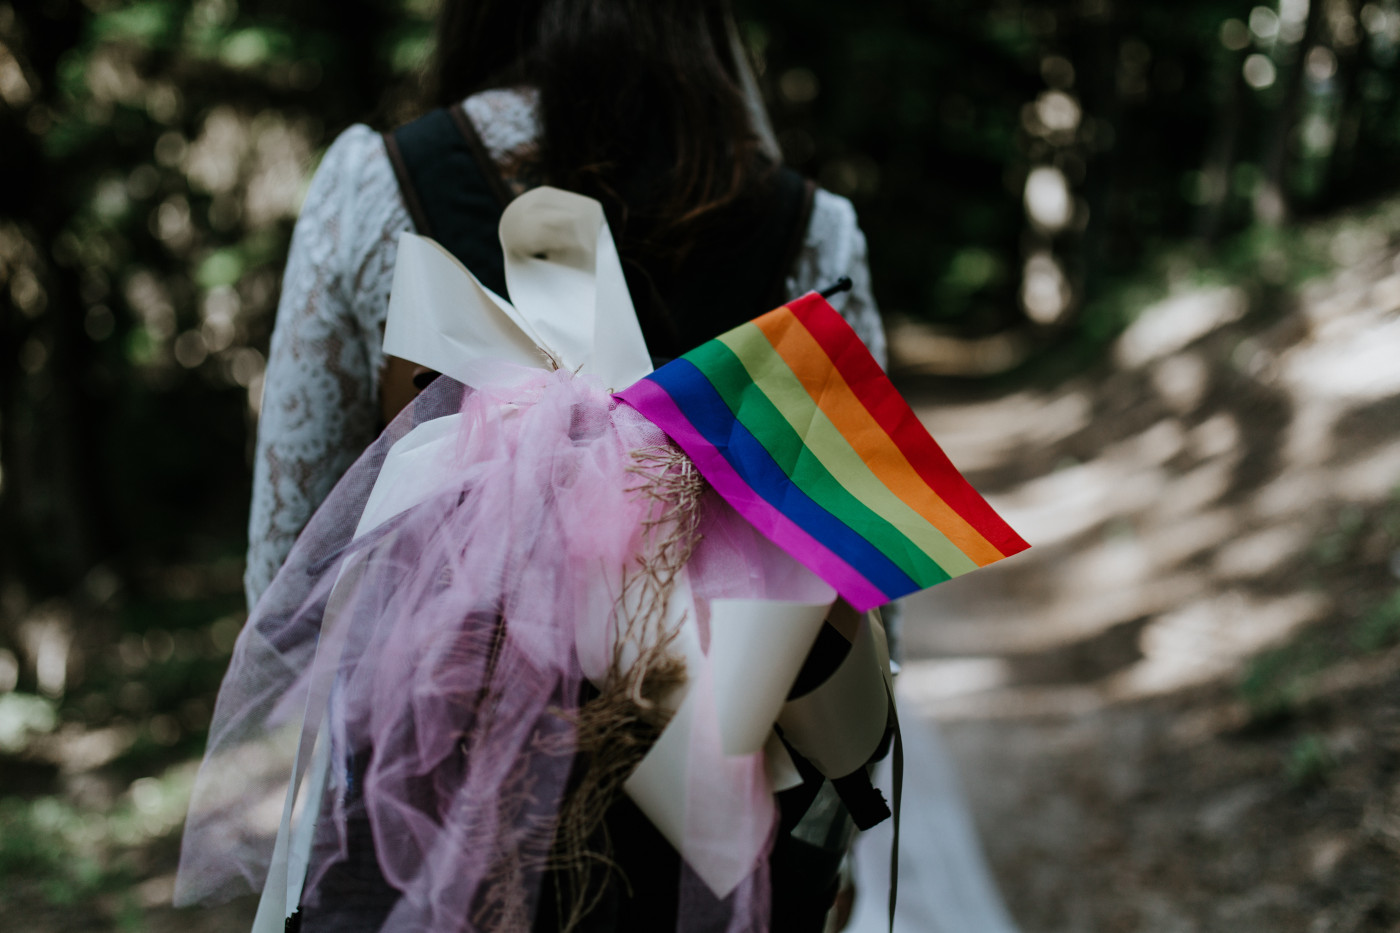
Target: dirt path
1180	711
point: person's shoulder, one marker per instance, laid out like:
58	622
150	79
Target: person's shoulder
356	149
833	246
507	120
353	210
513	97
353	165
832	214
833	232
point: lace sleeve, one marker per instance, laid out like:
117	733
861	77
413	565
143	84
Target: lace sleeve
319	407
835	246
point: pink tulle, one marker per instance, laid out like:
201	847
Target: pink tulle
442	643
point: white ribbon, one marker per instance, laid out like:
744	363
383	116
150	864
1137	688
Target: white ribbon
570	307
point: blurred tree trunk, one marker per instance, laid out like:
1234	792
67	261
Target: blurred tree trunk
1349	108
1099	89
1271	200
1224	152
49	508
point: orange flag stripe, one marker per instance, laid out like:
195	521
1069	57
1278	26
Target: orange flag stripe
823	382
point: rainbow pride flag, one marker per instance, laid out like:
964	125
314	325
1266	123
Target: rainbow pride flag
793	422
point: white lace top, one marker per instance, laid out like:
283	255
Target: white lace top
320	393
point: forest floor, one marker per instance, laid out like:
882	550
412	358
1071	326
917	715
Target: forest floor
1180	710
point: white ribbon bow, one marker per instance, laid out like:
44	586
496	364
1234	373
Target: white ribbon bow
570	305
571	310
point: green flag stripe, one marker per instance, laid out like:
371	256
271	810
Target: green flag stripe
755	411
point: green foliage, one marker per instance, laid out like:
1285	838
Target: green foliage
49	839
1275	680
74	852
1380	627
21	716
254	47
1339	542
221	267
1309	762
151	23
163	146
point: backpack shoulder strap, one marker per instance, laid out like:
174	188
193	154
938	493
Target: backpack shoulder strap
452	189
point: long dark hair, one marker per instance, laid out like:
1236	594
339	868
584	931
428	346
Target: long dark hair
641	104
